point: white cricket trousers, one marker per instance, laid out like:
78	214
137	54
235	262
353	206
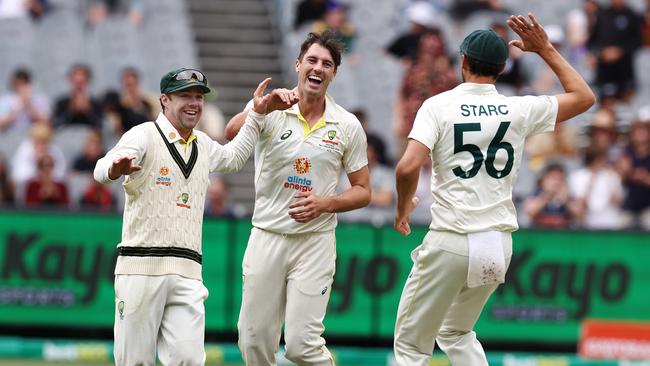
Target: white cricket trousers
163	313
437	305
286	279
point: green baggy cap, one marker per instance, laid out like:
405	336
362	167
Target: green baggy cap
181	79
485	45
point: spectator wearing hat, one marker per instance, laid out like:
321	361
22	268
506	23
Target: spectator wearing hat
159	293
603	134
422	18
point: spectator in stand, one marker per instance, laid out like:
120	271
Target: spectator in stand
615	39
97	197
45	190
93	150
422	18
21	107
24	164
218	203
513	75
336	20
603	134
545	81
78	107
579	25
598	192
134	101
309	11
432	73
634	167
99	10
6	185
94	196
551	205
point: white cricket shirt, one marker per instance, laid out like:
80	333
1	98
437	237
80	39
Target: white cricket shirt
476	137
290	158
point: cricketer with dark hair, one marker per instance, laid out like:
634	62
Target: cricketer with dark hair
289	262
475	138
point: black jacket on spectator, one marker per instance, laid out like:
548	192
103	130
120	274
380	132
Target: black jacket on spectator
616	27
63	116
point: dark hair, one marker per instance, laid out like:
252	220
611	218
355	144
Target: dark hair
327	39
482	68
22	74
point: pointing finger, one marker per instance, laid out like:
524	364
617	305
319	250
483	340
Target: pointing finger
261	87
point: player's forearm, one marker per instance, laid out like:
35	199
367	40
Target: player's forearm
578	96
102	170
241	147
235	124
355	197
407	176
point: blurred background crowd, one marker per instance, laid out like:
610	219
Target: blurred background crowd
79	73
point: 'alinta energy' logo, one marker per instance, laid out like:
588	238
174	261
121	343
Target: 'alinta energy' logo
301	166
163	178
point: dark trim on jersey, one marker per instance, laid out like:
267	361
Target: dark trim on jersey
160	252
185	168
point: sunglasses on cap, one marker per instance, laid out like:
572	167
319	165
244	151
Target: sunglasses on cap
187	74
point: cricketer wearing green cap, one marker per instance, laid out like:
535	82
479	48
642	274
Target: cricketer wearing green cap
475	138
159	293
181	79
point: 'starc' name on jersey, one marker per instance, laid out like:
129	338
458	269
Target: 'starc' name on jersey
480	110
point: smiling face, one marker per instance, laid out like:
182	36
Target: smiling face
183	109
316	70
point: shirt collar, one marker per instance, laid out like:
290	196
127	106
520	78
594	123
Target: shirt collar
330	115
476	88
170	132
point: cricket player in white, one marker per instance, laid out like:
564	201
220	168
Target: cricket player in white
159	293
475	138
289	262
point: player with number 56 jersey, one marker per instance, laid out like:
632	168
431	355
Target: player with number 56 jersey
477	145
475	138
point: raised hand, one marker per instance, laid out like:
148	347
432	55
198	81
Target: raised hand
122	166
533	36
277	99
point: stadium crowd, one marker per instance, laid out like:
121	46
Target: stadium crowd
594	175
